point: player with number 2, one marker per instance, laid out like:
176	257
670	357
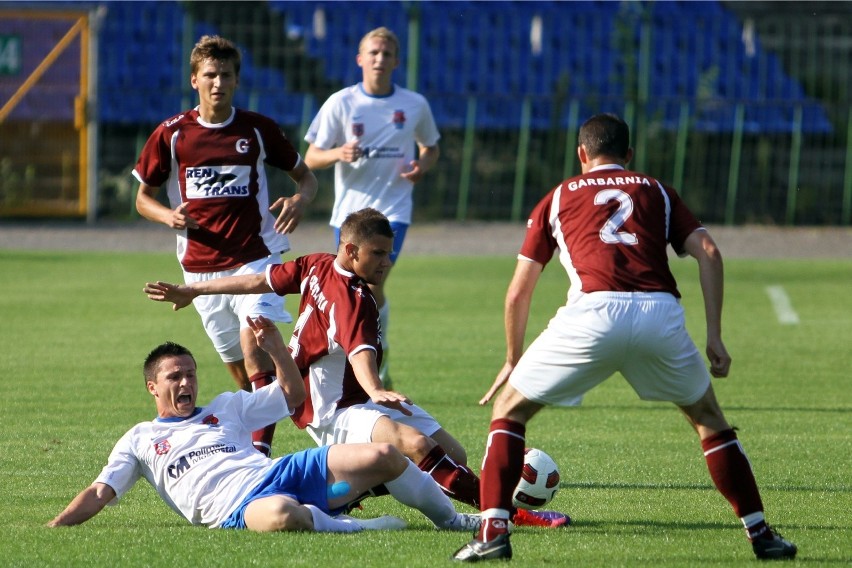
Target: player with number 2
610	229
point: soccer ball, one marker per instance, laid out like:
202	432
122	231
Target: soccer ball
539	480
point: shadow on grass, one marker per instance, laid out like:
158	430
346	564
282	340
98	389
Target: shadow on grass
700	486
659	407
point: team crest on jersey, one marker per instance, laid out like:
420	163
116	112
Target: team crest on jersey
399	119
208	182
210	420
162	447
358	129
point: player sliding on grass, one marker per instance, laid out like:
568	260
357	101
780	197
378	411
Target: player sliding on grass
337	346
610	228
202	463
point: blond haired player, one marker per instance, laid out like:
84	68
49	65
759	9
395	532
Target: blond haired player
369	133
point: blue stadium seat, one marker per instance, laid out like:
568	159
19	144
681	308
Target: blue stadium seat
486	48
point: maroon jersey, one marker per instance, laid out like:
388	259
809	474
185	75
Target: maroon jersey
611	228
338	317
219	170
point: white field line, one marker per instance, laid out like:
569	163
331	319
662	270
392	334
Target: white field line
783	307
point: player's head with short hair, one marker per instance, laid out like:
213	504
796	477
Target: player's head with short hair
216	48
380	33
605	134
363	225
167	349
366	244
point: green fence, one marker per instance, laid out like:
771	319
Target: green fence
732	174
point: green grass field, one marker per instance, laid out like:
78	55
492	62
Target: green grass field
75	328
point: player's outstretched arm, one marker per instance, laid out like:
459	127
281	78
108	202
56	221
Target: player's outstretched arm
88	503
178	294
269	338
181	295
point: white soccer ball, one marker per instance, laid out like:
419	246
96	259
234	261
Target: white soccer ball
539	480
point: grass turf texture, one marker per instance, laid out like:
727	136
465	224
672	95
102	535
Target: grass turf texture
77	326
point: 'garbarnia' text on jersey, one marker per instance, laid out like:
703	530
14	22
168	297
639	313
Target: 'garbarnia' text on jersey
218	169
338	317
611	227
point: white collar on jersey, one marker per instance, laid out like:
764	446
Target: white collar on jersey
607	167
206	124
366	94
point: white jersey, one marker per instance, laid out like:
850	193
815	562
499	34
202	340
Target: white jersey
386	128
202	466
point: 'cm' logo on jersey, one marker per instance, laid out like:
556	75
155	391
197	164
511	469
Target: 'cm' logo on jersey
177	469
221	181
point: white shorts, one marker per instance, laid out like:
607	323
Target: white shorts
223	315
640	335
354	424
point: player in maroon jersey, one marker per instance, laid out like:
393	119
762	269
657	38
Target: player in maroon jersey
610	227
212	160
337	345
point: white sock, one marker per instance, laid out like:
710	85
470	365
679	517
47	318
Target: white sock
417	489
326	523
752	519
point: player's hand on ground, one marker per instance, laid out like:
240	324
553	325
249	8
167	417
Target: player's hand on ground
720	360
391	399
292	211
501	379
266	333
180	220
180	295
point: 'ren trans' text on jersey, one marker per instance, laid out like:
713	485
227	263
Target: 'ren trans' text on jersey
220	181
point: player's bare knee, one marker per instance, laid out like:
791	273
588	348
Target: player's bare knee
418	445
277	513
292	517
390	459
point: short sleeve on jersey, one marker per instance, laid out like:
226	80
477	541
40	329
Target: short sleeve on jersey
683	222
539	242
287	278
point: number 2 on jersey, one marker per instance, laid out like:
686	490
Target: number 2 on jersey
610	233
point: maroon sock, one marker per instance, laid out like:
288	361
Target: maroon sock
262	439
731	472
457	481
501	471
